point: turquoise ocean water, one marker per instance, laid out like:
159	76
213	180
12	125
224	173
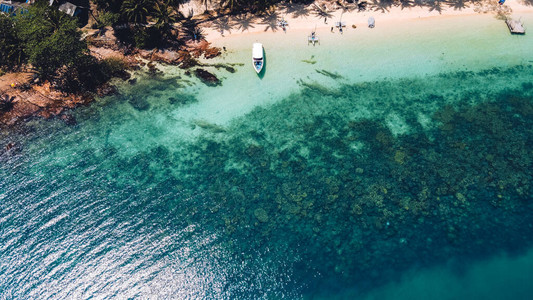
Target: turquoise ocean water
392	163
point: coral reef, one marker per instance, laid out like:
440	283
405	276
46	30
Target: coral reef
341	199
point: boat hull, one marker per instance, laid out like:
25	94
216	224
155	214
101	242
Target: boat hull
258	66
258	57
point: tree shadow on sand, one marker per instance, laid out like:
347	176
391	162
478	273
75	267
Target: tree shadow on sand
432	5
382	5
222	25
271	21
419	3
347	7
503	13
244	21
297	10
191	29
435	5
406	4
458	5
321	12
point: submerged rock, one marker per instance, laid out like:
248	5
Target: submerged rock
211	52
169	57
261	215
139	103
209	126
182	100
186	60
207	77
68	119
106	90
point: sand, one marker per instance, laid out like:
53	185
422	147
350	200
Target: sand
300	17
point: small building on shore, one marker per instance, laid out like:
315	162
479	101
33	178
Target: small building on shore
70	9
73	8
13	7
6	7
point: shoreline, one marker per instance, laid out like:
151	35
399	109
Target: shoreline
302	19
27	100
310	20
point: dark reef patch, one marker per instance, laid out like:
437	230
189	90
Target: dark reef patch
318	199
140	103
400	202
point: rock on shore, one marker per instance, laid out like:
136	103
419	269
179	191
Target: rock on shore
34	100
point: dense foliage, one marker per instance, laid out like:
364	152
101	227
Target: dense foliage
50	42
50	39
11	53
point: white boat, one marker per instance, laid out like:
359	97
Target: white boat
371	22
313	39
257	57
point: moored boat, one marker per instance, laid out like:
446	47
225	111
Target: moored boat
313	38
257	57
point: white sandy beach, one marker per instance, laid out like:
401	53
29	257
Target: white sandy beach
409	43
305	17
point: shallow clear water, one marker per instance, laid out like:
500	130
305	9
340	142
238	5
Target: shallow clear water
404	167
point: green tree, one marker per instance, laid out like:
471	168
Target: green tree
254	6
51	39
112	6
137	11
107	18
11	52
164	16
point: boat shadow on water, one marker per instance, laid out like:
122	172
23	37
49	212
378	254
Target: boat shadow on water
261	74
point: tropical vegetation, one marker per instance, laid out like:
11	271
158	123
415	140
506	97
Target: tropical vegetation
50	43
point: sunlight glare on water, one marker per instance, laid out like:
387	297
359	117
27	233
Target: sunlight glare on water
330	178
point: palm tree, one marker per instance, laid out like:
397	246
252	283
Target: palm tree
165	17
137	11
6	102
322	12
205	3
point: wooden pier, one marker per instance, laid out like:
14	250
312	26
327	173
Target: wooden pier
515	26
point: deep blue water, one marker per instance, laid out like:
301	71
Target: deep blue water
328	191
